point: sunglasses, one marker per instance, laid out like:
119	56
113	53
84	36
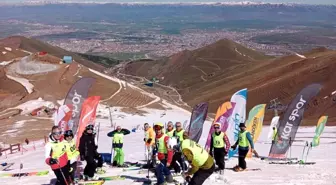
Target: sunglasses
216	127
177	126
57	133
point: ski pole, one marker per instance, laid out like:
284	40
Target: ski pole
66	182
21	166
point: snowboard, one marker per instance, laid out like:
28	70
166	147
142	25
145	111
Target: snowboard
39	173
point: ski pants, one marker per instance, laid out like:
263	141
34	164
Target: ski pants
201	175
161	171
100	161
177	163
90	167
72	170
119	156
241	158
219	155
59	175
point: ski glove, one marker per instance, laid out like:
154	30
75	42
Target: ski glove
53	161
234	147
149	141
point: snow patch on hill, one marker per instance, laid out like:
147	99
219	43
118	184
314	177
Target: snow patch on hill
27	66
31	105
29	87
8	48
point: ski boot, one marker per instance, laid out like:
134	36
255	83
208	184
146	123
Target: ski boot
169	178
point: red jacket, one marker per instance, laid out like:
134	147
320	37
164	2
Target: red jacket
162	156
61	147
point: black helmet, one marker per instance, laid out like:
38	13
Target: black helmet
68	133
89	127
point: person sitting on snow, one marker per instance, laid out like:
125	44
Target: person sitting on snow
72	152
164	156
118	141
244	140
56	156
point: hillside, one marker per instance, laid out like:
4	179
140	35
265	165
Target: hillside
29	80
215	72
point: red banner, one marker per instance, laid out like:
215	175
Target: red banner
88	115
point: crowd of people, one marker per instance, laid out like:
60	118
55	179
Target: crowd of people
167	149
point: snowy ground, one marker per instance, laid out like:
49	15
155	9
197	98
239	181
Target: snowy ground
323	172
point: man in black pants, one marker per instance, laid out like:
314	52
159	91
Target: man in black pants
244	140
88	152
220	146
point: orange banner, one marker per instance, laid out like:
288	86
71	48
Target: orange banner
88	115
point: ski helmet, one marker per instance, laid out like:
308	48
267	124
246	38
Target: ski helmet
89	127
217	124
158	125
68	133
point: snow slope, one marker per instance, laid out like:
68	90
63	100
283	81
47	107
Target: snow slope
321	173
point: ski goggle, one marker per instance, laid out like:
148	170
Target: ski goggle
178	126
68	133
89	127
216	127
57	133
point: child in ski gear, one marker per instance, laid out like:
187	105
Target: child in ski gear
88	152
72	152
118	141
179	132
164	155
56	156
149	142
220	146
244	140
170	129
201	162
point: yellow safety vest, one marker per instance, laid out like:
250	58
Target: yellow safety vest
160	143
118	138
72	151
274	134
170	133
200	156
243	142
58	149
218	140
179	134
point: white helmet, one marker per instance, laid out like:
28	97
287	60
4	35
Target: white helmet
172	143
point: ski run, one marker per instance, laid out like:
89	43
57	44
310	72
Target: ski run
307	165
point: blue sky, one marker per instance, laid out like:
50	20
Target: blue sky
270	1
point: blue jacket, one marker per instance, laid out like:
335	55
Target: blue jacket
249	138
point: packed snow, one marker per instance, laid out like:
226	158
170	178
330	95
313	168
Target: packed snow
20	124
4	52
29	87
4	63
8	48
31	105
27	66
301	56
320	173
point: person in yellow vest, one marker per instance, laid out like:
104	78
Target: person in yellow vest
275	131
56	156
177	161
164	155
118	142
220	146
170	129
244	140
202	164
149	143
72	152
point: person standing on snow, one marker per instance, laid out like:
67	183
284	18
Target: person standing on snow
164	156
149	143
118	141
177	162
244	140
201	162
179	132
170	129
56	156
72	153
88	152
219	147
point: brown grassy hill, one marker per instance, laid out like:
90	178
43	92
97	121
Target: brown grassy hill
33	45
215	72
